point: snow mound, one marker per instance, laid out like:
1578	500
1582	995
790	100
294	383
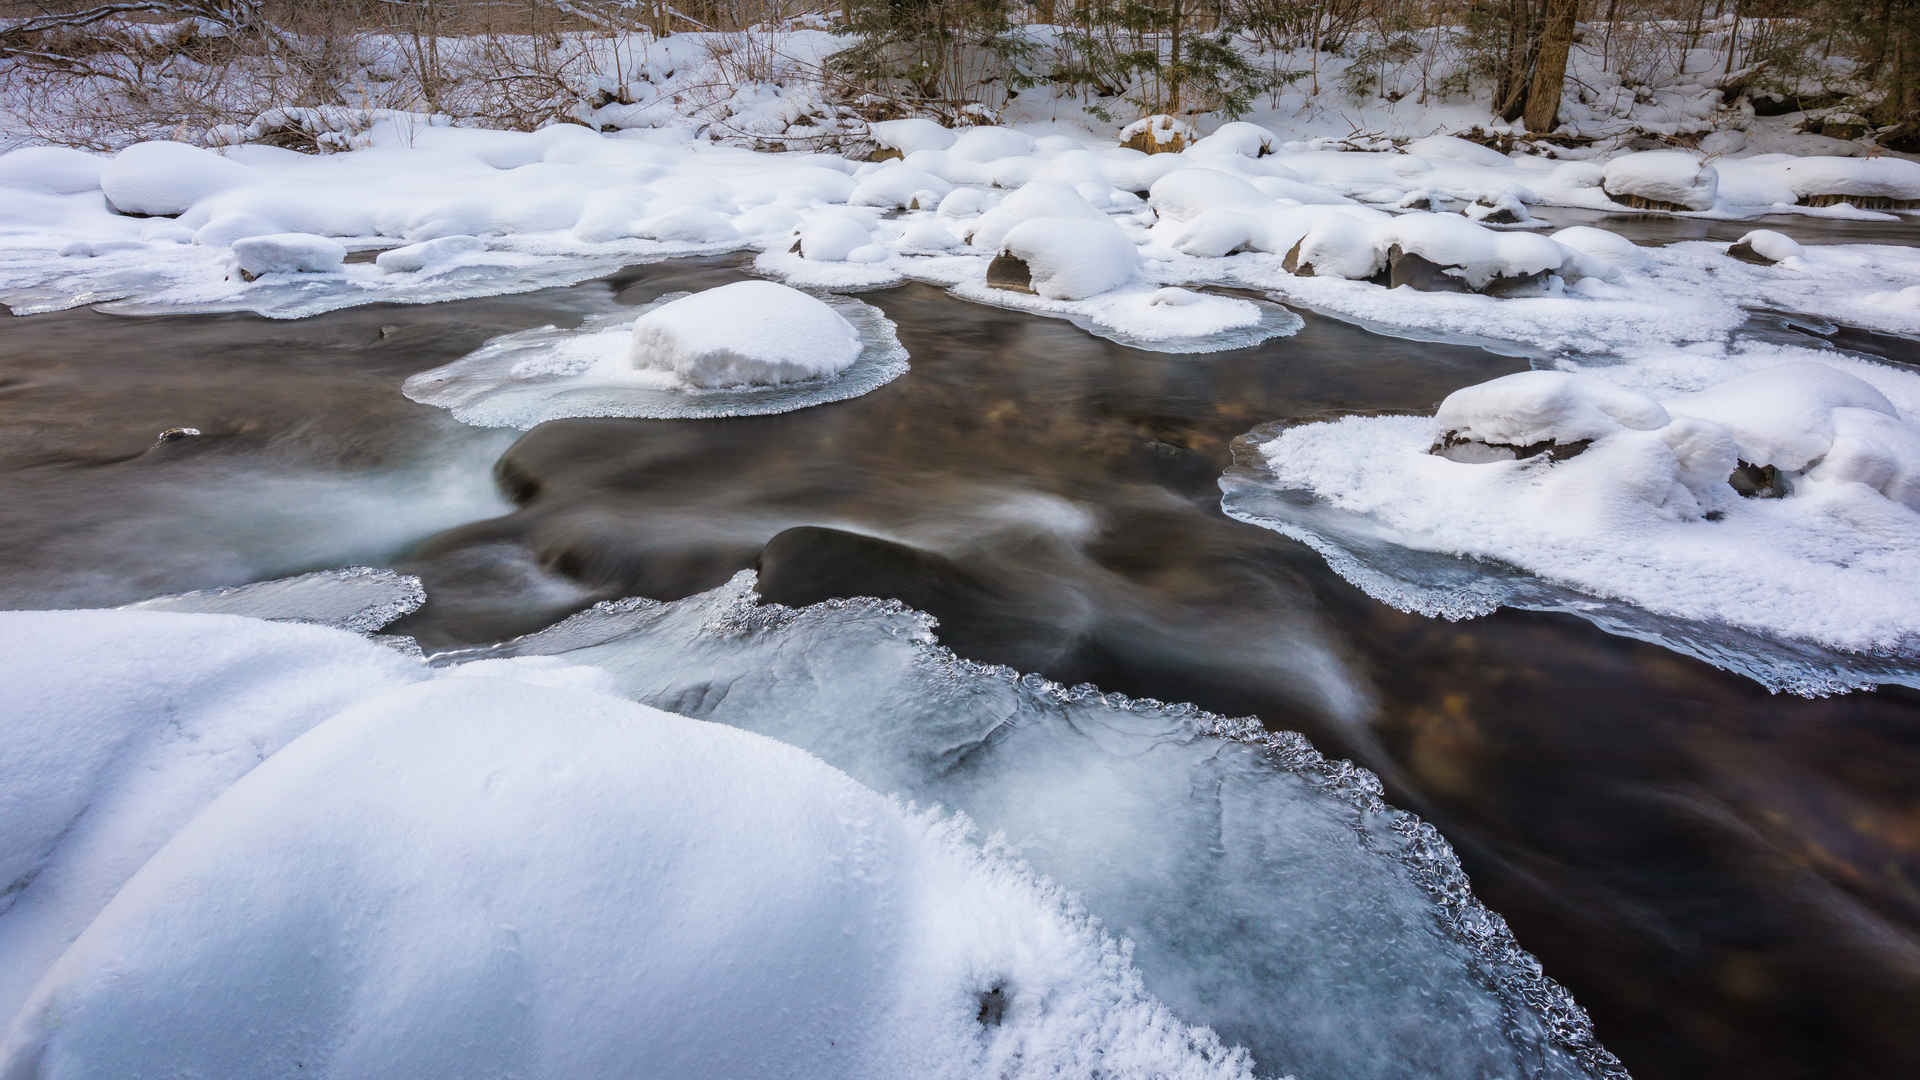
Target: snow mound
990	144
898	186
830	237
1663	179
1072	258
1235	138
1184	194
428	254
1763	524
287	253
361	599
1544	406
1783	416
1039	199
911	134
1876	178
1456	150
1767	245
749	333
50	170
165	178
501	872
746	352
1475	254
121	726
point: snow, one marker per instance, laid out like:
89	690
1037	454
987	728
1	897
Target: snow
1161	130
911	134
1184	194
1480	254
91	785
1072	258
898	186
1668	176
1640	530
1877	177
428	254
1235	138
826	236
746	349
1770	245
348	906
287	253
745	334
1038	199
50	170
165	178
1545	406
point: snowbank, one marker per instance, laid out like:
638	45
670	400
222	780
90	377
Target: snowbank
503	870
165	178
429	254
911	134
746	333
50	170
1890	178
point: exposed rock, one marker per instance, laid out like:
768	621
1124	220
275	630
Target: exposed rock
1758	481
1863	202
175	434
1456	447
1496	214
1743	251
1421	273
1010	273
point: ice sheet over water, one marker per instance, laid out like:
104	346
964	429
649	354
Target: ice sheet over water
362	599
1271	893
529	377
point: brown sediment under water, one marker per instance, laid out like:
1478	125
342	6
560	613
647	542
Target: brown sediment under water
1728	880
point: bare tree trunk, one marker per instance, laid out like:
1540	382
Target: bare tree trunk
1173	67
1550	72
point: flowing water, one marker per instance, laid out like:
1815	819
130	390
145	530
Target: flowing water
1729	881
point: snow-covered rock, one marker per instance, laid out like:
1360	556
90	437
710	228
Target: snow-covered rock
50	170
1783	416
165	178
1661	179
1039	199
1765	247
746	333
1186	193
894	185
1072	258
1532	407
827	236
1475	256
1456	150
911	134
1893	179
1158	134
980	144
428	254
1235	138
287	253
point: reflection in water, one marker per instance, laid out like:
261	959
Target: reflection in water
1726	880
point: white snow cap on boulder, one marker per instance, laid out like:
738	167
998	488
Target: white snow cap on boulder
504	872
744	334
165	178
1186	193
1770	245
1457	150
1073	258
1783	416
1668	176
894	185
288	253
428	254
829	236
1236	138
913	133
1530	407
1879	177
1039	199
50	170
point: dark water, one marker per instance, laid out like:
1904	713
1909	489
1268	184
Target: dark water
1729	881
